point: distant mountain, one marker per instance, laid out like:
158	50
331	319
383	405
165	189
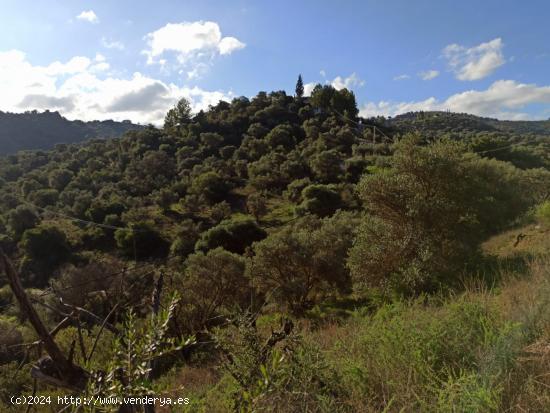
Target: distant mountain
33	130
442	122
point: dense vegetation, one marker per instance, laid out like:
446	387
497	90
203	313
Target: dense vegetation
372	256
33	130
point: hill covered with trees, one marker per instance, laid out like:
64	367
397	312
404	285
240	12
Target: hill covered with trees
300	258
34	130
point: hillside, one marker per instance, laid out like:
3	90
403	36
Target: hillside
442	122
273	254
33	130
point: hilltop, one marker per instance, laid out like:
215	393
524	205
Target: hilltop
439	122
34	130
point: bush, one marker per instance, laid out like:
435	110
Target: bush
44	197
60	178
20	219
232	235
140	240
328	166
419	357
303	263
209	186
186	238
45	248
256	205
321	200
427	215
213	283
543	212
10	339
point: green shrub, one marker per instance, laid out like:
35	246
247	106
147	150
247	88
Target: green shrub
213	284
427	357
234	235
542	212
45	248
303	263
427	216
321	200
140	240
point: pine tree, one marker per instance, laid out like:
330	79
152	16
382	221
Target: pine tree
299	87
178	115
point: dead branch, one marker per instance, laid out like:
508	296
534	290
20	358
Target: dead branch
91	316
61	366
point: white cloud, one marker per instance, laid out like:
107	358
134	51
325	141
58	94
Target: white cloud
504	99
190	41
308	88
349	82
112	44
89	16
198	71
228	45
81	89
338	83
429	74
323	73
76	64
476	62
402	77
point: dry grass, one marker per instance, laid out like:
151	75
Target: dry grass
536	241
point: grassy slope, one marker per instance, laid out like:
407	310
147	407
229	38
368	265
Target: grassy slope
487	349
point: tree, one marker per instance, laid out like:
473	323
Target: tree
427	215
299	87
220	211
234	235
60	178
20	219
44	248
327	165
256	205
321	96
165	197
304	262
327	97
140	240
321	200
179	115
213	283
186	238
44	197
210	186
281	135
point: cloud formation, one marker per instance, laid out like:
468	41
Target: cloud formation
349	82
189	42
504	99
429	74
112	44
338	83
89	16
81	88
476	62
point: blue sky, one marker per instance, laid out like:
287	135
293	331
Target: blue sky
133	59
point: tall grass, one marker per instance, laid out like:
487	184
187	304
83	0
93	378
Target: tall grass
485	350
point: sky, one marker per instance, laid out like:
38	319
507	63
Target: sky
134	60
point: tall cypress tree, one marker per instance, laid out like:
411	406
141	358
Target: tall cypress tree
299	87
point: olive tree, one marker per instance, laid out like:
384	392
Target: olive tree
427	214
304	262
